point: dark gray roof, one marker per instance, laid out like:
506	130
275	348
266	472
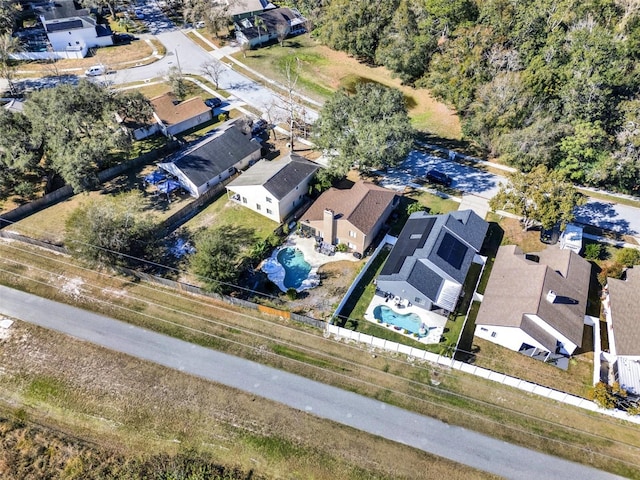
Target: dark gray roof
215	154
271	18
278	177
66	25
625	312
432	248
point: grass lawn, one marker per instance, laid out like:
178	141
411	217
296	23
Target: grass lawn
49	224
323	71
433	203
224	212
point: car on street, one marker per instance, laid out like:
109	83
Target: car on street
213	102
95	70
120	38
436	176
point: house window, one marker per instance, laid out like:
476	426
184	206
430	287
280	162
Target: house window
268	199
269	212
244	199
484	329
258	207
296	187
417	300
352	234
231	170
493	334
351	245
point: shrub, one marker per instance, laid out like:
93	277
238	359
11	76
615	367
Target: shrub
342	247
26	190
613	270
592	251
628	257
292	293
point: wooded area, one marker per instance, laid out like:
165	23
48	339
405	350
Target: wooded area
545	82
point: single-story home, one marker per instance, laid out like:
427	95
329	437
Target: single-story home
269	25
351	216
622	310
174	116
71	29
239	9
274	188
212	160
430	260
139	129
535	303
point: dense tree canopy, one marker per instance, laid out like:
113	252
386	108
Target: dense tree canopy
539	196
551	82
69	130
369	129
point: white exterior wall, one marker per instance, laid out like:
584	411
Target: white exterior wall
184	181
144	132
508	337
254	197
569	346
77	39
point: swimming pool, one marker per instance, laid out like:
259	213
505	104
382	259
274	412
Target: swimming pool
295	267
408	321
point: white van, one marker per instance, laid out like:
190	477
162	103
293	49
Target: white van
95	71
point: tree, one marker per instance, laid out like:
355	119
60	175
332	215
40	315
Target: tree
112	230
8	13
214	14
539	196
18	155
76	130
219	258
585	152
282	31
259	24
177	82
213	69
8	45
369	129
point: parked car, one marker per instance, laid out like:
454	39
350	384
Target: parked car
213	102
95	71
550	236
437	176
258	126
200	24
120	38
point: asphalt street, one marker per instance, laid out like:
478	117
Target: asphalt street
362	413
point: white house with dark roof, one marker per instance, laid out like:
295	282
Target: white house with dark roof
71	30
274	188
212	160
535	303
431	258
351	216
622	310
174	116
273	22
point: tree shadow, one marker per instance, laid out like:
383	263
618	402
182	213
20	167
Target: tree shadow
603	215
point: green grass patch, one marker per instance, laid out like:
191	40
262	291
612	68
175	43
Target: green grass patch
631	202
304	358
46	389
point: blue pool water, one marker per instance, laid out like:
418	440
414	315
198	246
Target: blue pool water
295	267
408	321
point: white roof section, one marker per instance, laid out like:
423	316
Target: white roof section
629	374
571	238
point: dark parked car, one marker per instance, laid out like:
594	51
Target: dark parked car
550	236
120	38
214	102
437	176
258	126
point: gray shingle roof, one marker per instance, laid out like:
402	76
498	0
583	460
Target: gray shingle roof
625	312
214	154
278	177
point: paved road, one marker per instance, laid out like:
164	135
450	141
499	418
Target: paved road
344	407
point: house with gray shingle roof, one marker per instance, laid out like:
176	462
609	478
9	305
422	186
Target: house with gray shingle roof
212	160
351	216
431	258
274	188
622	310
536	302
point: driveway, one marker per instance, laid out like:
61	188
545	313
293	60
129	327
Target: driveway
347	408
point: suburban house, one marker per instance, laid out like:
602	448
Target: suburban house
174	116
351	216
274	188
239	9
71	30
139	129
622	310
212	160
269	25
430	260
14	105
535	303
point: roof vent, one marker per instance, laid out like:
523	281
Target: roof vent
551	296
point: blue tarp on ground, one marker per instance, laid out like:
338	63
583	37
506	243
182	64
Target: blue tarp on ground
155	177
168	186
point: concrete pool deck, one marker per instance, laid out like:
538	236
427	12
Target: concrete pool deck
432	320
276	273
